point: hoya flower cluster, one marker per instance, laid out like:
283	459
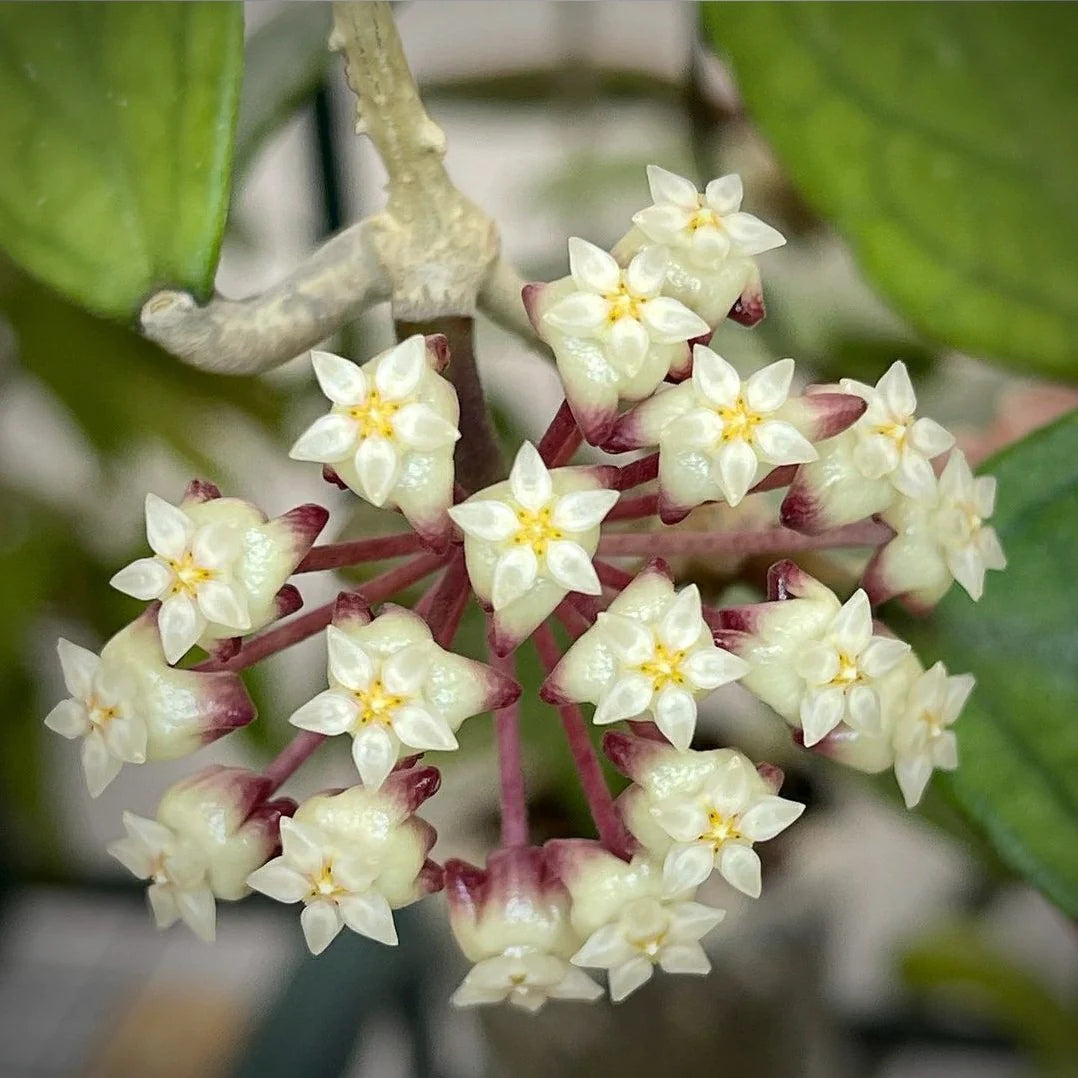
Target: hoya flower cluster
637	338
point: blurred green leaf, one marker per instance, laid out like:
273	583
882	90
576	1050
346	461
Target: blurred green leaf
938	138
118	386
285	62
116	137
1018	738
960	963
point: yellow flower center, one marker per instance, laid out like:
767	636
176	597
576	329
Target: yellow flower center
375	704
537	529
738	422
98	713
721	829
664	667
374	415
848	672
897	432
705	217
624	303
324	885
187	575
649	945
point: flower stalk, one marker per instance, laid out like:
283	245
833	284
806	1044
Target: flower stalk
513	798
291	758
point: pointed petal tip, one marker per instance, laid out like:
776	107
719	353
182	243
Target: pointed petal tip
529	295
438	351
800	510
832	412
330	476
304	523
287	601
748	309
228	705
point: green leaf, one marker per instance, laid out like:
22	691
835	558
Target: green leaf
116	137
959	962
285	62
1018	737
938	138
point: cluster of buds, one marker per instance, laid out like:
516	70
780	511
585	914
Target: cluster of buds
633	332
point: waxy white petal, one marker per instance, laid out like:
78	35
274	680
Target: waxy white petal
882	653
684	958
419	426
125	738
863	705
400	369
378	465
583	509
821	711
570	566
781	443
740	867
488	520
769	387
340	380
369	915
98	764
375	753
68	719
514	574
147	578
630	640
302	847
280	882
668	186
669	321
751	235
714	378
168	529
699	428
627	344
768	817
405	671
79	665
896	389
628	697
647	271
664	224
581	314
592	268
711	667
724	195
328	439
321	922
852	625
349	662
628	977
675	716
332	712
736	465
686	866
529	479
419	728
225	604
180	623
683	621
604	948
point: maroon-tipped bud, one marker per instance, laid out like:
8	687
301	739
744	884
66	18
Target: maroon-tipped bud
351	610
438	351
772	775
411	787
287	601
330	476
201	490
748	309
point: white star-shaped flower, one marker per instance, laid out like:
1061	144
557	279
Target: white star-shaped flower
103	710
628	923
891	441
396	691
922	738
710	225
353	857
529	541
839	670
650	654
391	430
939	542
130	706
335	890
192	573
178	869
614	336
886	453
696	811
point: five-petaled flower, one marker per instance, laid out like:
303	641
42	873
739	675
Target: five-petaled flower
529	540
219	567
212	829
885	454
614	336
391	431
352	858
128	705
698	811
628	923
940	541
395	690
651	653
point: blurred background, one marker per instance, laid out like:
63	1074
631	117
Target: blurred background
887	943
